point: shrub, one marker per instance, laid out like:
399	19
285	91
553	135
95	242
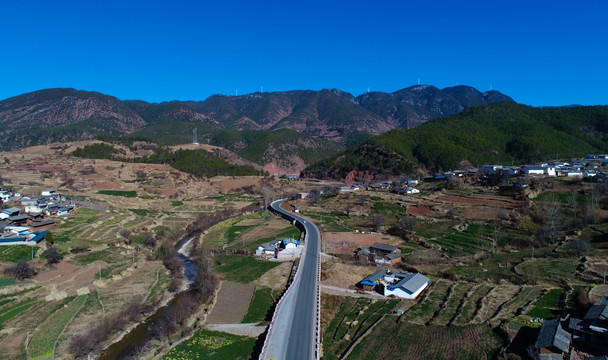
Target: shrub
53	256
21	270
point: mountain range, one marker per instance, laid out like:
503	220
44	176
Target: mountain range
322	122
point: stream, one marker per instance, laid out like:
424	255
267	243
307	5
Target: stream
129	345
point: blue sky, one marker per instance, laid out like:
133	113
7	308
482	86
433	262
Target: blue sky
538	52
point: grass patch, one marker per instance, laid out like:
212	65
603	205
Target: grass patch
544	306
43	341
140	212
16	253
108	255
291	232
243	269
205	344
177	203
115	220
16	309
7	282
261	304
125	193
562	197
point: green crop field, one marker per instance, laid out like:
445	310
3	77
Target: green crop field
205	344
129	193
548	302
43	340
16	253
9	313
241	268
260	305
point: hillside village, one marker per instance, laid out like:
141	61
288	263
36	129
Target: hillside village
29	223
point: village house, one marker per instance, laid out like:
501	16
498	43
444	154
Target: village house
408	286
274	247
401	284
6	213
350	188
592	330
544	169
5	196
553	341
380	254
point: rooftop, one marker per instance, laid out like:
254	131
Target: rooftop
412	282
384	247
552	334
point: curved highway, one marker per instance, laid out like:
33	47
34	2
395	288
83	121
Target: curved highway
293	332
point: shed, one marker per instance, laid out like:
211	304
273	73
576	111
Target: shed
370	282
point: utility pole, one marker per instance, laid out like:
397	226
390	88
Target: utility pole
532	253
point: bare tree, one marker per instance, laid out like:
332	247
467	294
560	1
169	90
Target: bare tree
403	227
149	241
550	220
141	176
125	233
348	209
580	246
377	221
573	205
52	256
314	196
268	194
21	270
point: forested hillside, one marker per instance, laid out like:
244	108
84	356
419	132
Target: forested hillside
501	132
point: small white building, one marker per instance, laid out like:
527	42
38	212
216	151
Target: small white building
5	196
539	170
36	208
411	190
49	192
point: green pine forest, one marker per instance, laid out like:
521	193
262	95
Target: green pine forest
496	133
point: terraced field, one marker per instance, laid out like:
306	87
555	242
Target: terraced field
431	305
354	318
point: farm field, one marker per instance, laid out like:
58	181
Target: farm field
206	344
106	263
417	341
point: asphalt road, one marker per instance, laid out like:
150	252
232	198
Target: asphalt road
293	331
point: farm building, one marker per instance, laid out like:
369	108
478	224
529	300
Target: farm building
592	329
49	192
269	248
6	213
370	282
379	254
408	287
402	284
553	341
273	247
